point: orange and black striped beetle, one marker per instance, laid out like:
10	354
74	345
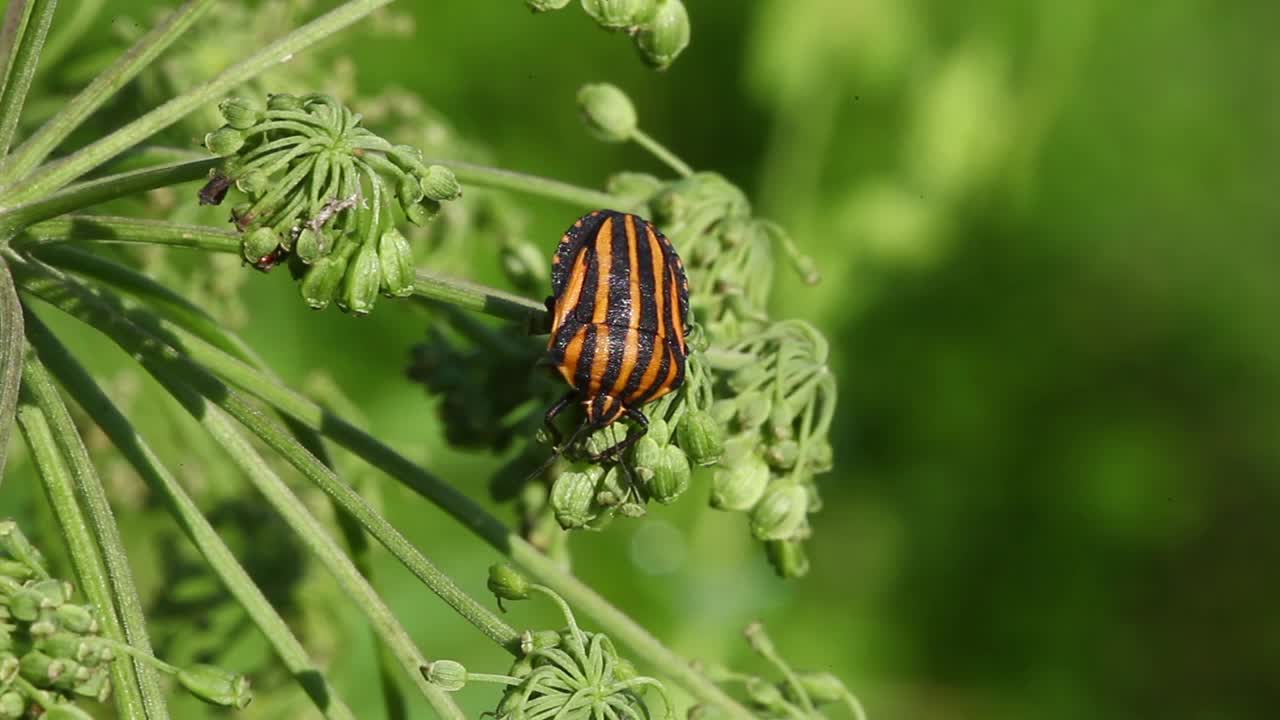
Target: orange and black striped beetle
619	317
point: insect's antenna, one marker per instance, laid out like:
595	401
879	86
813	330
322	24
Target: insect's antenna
586	422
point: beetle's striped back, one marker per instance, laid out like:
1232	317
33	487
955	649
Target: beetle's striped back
620	309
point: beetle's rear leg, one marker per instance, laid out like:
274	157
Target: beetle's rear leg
553	411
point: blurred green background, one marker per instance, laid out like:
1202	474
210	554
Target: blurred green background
1048	233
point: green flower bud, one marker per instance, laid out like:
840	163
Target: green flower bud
781	512
395	258
753	410
96	686
540	640
573	493
787	558
41	669
24	605
65	711
216	686
671	476
608	112
439	183
224	141
783	454
253	182
632	510
507	583
15	543
13	706
52	592
446	674
409	191
423	212
523	667
821	457
545	5
765	694
239	113
259	243
9	667
612	491
320	284
700	437
821	687
624	670
309	246
739	485
283	101
364	277
666	34
65	645
723	410
15	570
660	431
618	14
645	456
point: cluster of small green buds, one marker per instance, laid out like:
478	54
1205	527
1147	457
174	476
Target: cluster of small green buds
798	695
659	28
324	194
52	653
568	674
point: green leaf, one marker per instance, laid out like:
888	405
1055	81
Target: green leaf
26	25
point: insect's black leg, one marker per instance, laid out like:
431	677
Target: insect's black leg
616	451
553	411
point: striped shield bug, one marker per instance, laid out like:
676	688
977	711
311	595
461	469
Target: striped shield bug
619	317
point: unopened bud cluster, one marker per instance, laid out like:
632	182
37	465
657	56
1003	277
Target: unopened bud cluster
324	194
659	28
52	652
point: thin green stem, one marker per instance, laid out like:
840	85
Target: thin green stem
92	192
20	67
10	357
497	178
55	175
92	577
46	139
89	396
102	523
660	151
471	296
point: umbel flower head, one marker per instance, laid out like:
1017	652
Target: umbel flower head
324	193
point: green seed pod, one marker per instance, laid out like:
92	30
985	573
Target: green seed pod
523	667
321	282
15	543
439	183
216	686
608	112
739	485
699	435
408	191
665	35
224	141
41	669
821	687
781	512
96	686
253	182
15	570
540	640
645	456
423	212
9	666
283	101
753	410
573	494
259	243
65	645
506	583
624	670
765	694
788	558
723	410
395	258
671	476
52	592
364	277
13	706
618	14
66	711
611	491
783	454
24	605
545	5
309	246
448	675
239	113
660	431
821	457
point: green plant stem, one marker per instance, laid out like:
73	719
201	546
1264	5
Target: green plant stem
50	177
102	523
499	179
471	296
20	66
92	192
92	577
46	139
660	151
11	332
444	495
89	396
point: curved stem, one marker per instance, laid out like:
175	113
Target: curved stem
11	343
660	151
497	178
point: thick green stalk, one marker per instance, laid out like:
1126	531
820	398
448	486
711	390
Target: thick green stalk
458	505
92	577
32	25
10	357
89	396
497	178
82	195
483	299
46	139
55	175
87	487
